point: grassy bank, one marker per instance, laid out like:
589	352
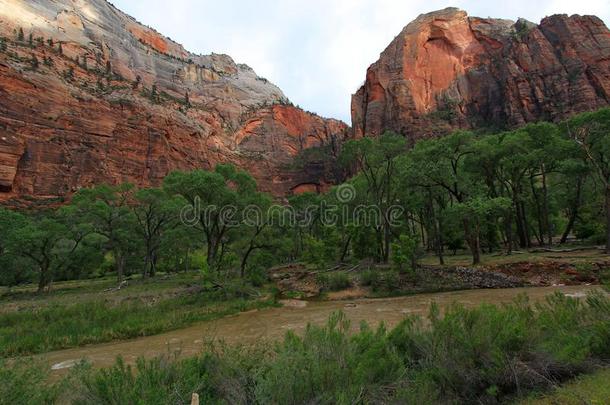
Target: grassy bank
482	355
589	389
72	317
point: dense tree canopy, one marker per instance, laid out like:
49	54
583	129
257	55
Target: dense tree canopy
537	185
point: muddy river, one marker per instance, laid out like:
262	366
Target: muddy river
271	324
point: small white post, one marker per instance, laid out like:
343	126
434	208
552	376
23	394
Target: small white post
195	399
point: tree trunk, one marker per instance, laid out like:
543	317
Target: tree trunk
212	252
346	248
573	212
244	261
525	227
508	223
608	218
539	214
439	243
120	266
386	238
44	280
545	207
519	220
472	239
436	222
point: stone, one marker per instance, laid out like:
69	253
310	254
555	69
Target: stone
447	71
70	124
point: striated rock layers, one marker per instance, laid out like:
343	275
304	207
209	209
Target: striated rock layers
446	70
89	95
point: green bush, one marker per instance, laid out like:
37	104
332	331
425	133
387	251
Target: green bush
481	355
334	281
369	278
25	382
327	365
404	254
385	281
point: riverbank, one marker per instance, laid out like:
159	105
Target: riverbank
543	268
470	353
76	314
271	324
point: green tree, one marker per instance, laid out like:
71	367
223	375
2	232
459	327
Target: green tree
107	209
376	160
48	241
591	132
34	62
442	163
216	201
156	213
477	211
404	254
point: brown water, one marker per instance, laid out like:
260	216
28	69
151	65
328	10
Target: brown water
271	324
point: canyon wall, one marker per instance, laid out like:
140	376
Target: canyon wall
88	95
446	70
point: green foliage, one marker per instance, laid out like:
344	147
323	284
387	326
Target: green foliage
404	253
34	62
369	277
306	369
320	253
31	331
25	382
481	355
334	281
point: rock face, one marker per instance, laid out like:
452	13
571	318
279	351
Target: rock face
446	70
89	95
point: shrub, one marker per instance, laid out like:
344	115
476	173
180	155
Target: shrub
326	365
480	355
383	281
24	382
369	278
334	281
404	254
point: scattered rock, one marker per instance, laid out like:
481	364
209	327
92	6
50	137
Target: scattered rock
64	364
293	303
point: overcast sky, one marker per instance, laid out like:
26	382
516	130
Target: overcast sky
317	51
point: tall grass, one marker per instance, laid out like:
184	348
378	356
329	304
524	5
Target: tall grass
481	355
54	327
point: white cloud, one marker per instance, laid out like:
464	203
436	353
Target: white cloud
317	51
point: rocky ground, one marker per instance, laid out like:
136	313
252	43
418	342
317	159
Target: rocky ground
299	281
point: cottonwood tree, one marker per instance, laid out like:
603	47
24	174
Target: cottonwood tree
591	132
107	209
375	158
156	213
48	240
216	201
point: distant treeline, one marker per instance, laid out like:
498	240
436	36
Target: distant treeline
537	185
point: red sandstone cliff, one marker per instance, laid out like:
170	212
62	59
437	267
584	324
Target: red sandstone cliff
88	95
446	70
